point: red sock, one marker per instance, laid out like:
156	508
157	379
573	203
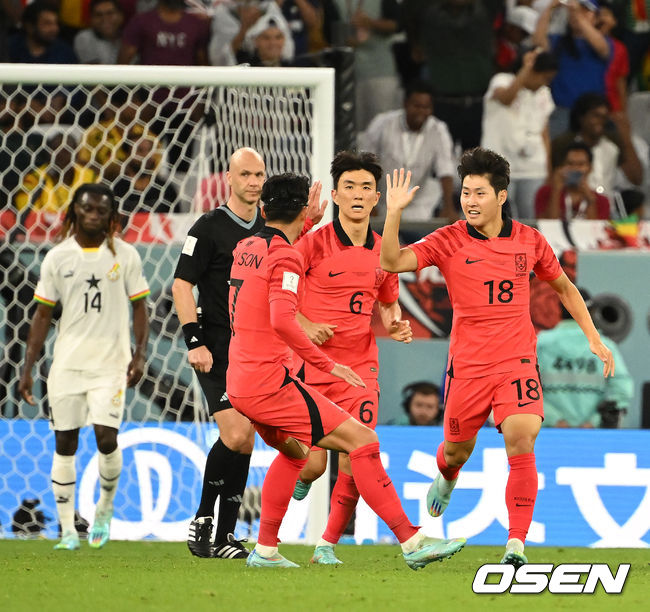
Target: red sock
378	491
344	500
278	486
521	493
448	473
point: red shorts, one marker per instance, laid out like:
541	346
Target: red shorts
468	401
362	404
294	411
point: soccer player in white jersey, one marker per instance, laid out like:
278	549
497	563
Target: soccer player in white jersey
94	275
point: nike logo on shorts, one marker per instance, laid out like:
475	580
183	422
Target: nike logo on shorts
471	261
333	274
522	404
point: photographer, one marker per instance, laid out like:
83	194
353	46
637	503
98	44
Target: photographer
568	195
575	392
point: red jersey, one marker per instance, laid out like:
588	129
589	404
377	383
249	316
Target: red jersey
264	284
488	284
342	284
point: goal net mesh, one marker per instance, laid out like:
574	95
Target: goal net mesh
164	150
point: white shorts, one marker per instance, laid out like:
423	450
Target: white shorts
78	399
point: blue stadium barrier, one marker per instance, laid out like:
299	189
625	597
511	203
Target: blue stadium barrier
594	484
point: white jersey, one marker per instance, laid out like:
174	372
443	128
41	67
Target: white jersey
94	288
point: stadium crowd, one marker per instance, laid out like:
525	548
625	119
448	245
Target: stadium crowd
432	78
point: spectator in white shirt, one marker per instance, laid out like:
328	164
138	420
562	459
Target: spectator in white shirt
515	125
100	43
414	139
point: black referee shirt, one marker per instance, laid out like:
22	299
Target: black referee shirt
206	260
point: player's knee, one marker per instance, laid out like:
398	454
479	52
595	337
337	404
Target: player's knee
457	456
106	444
66	443
239	440
365	435
520	445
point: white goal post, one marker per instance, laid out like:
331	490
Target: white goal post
194	118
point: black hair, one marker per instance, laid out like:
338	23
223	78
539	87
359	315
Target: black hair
585	103
418	86
284	196
69	226
578	145
115	3
346	161
33	11
480	161
544	62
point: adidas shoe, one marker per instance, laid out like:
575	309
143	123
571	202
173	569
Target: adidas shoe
230	549
69	541
431	549
101	529
277	560
199	538
514	557
324	555
437	502
301	490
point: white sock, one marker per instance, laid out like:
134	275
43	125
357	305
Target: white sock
408	546
266	551
446	486
64	477
110	467
322	542
515	545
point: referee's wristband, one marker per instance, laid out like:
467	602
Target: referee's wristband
193	335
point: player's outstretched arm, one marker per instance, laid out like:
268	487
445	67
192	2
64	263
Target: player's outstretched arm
198	355
391	317
573	302
318	333
35	341
398	197
141	333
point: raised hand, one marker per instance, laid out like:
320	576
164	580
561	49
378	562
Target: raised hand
398	194
315	211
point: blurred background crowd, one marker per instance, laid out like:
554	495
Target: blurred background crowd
559	87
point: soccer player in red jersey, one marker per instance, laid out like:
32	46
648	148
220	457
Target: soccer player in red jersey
343	281
486	261
265	283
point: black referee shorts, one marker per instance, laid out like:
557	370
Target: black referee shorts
213	384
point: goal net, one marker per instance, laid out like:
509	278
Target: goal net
161	137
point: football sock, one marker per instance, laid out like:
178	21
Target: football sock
448	473
231	496
218	462
378	491
64	476
110	467
276	493
521	493
344	500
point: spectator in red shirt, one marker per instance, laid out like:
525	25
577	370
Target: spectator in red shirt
568	195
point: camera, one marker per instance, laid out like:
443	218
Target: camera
573	177
610	414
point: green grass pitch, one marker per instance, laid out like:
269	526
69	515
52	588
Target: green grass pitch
133	576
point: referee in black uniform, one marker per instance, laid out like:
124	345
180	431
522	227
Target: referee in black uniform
205	261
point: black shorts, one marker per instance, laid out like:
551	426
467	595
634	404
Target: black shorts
213	385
